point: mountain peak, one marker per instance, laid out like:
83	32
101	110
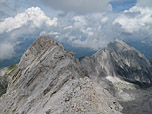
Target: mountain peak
38	48
121	60
119	41
120	45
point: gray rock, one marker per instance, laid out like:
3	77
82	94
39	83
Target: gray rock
48	80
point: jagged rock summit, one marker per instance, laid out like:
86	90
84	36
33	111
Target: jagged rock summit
48	80
119	60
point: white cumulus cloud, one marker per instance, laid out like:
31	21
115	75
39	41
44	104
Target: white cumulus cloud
32	16
135	19
89	30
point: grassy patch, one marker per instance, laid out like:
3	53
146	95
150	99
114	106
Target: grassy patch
12	67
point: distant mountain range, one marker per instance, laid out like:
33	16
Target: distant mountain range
144	46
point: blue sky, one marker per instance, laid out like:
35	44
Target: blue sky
80	23
119	6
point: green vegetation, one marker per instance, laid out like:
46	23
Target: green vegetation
12	67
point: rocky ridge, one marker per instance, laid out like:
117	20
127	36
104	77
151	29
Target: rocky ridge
48	80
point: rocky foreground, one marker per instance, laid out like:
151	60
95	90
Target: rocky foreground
50	80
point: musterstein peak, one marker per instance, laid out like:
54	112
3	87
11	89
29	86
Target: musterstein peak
120	45
120	60
124	72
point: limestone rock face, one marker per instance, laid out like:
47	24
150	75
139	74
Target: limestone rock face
119	60
48	80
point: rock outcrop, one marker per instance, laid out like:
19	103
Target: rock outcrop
48	80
